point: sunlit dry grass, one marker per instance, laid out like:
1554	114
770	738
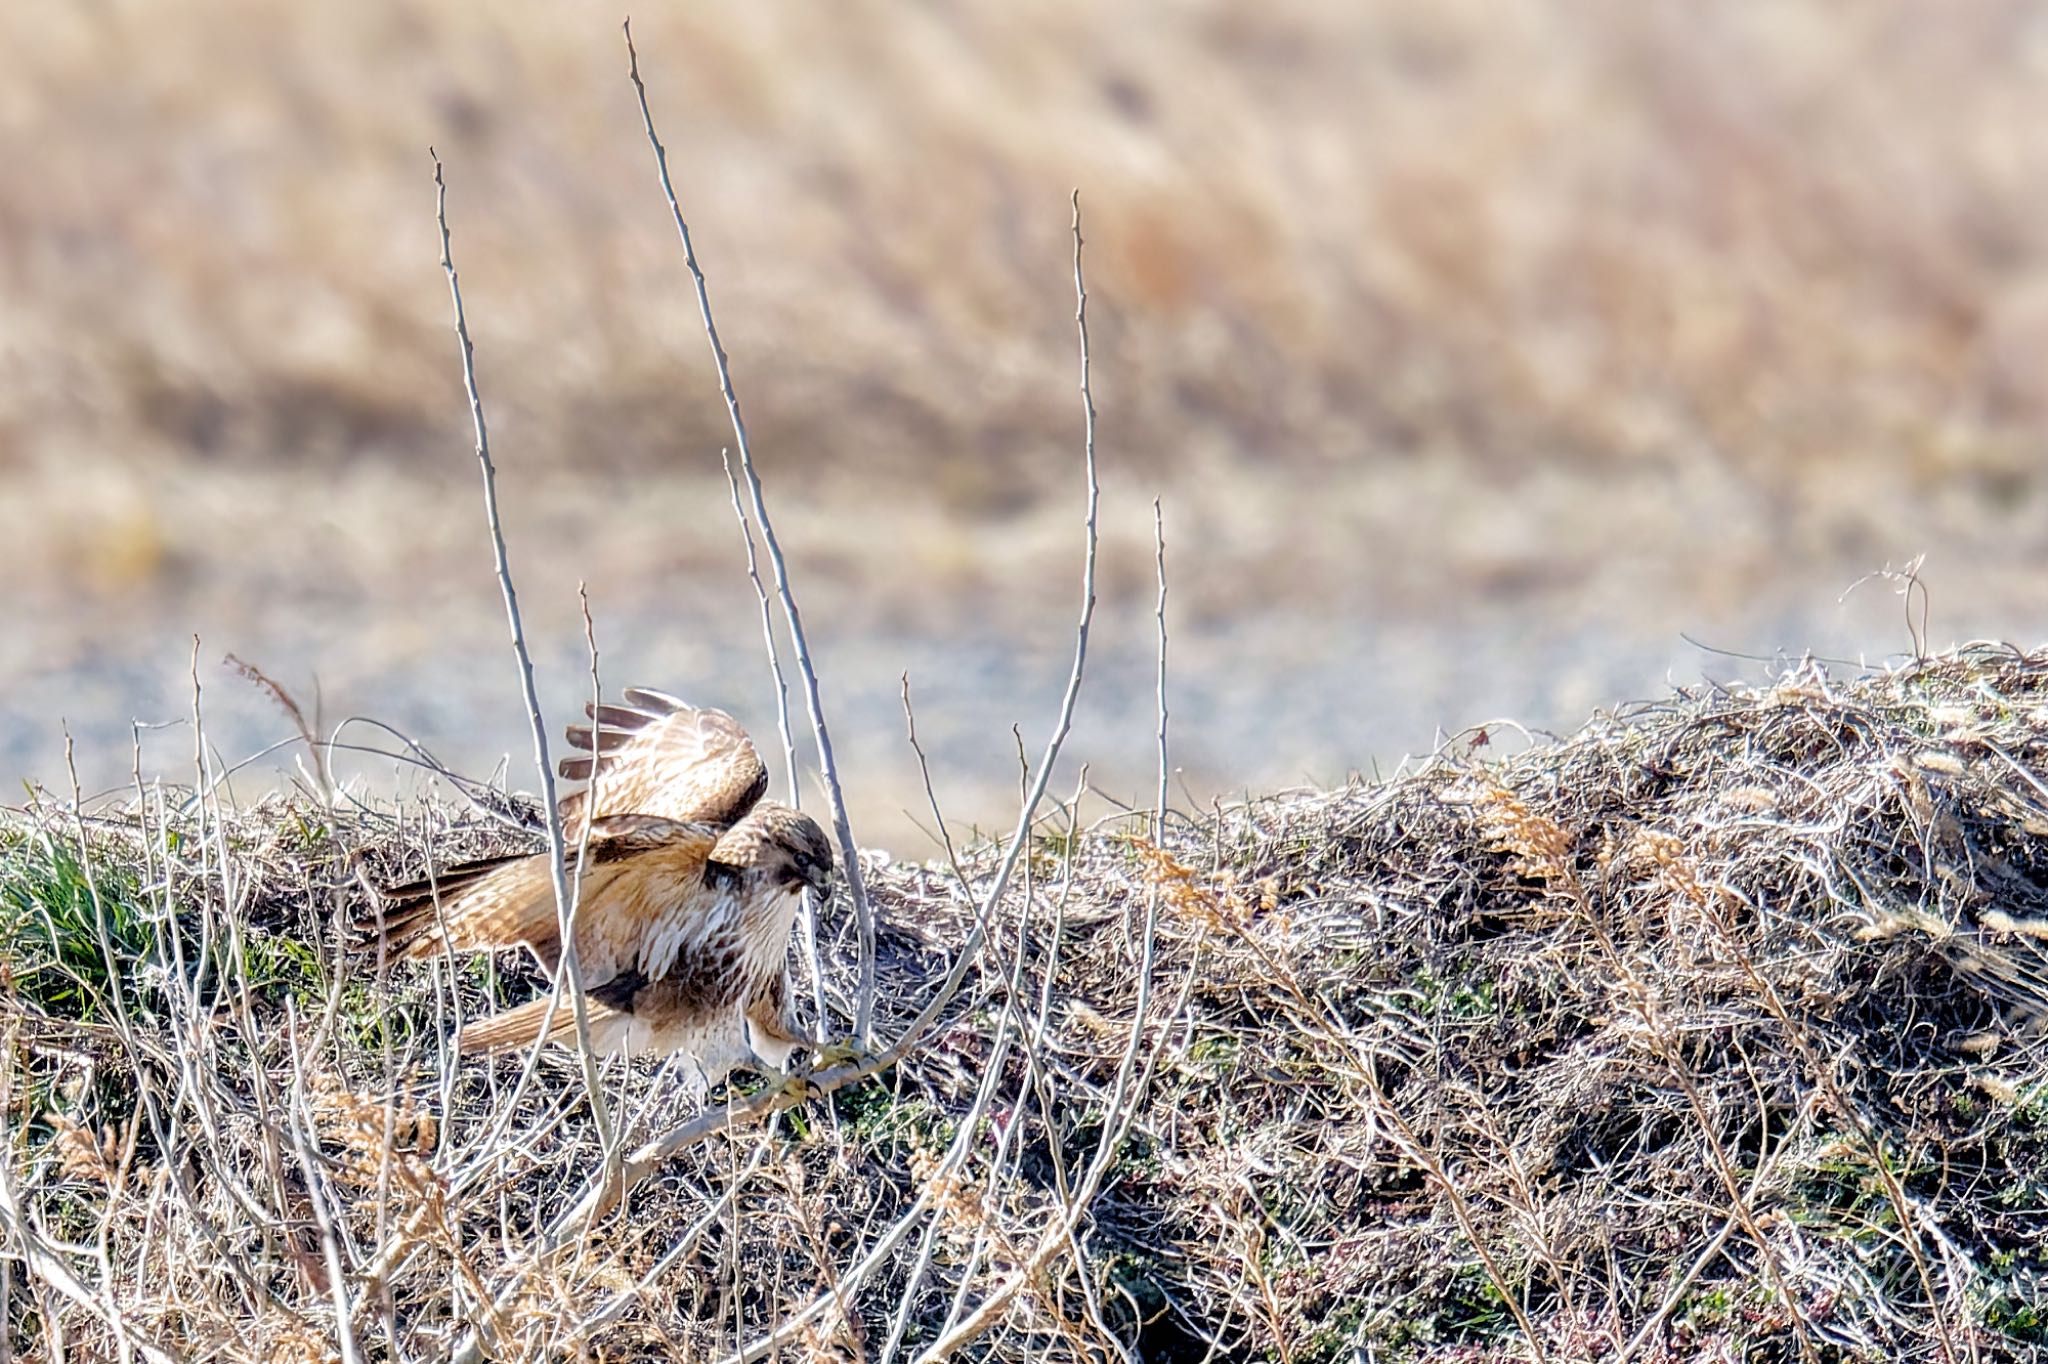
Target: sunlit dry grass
1796	237
1709	1032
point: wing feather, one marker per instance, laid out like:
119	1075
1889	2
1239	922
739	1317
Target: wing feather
491	904
669	780
653	701
616	717
657	755
633	863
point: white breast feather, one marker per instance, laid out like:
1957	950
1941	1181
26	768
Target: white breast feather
723	1040
683	929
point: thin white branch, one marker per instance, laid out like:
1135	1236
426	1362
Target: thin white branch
565	903
856	885
298	1122
782	729
1159	542
1020	838
796	791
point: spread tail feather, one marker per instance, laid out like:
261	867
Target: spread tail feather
520	1027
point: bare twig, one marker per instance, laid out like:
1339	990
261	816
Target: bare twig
856	884
766	603
299	1121
322	775
782	728
1159	542
565	903
1020	838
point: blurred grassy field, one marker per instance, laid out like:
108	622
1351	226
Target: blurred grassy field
1477	350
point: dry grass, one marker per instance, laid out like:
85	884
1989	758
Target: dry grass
1523	231
1710	1032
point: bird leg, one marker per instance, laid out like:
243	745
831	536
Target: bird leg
836	1053
774	1043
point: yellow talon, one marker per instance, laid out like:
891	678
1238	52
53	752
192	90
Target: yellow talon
839	1053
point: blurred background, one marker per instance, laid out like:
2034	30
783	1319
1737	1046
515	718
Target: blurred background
1486	354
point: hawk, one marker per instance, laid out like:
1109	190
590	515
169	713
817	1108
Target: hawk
690	884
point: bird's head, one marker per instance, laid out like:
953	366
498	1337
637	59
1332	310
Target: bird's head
789	849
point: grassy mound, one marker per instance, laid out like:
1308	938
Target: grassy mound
1709	1032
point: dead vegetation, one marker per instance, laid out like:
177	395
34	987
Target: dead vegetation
1712	1031
1708	1032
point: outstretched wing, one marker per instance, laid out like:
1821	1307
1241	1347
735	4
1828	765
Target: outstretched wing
657	755
641	876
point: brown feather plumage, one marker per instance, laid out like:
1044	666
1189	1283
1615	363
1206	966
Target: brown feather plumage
517	1027
657	755
512	901
689	882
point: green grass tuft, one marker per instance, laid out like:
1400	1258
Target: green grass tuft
72	937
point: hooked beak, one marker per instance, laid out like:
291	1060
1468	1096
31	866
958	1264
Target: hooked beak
816	880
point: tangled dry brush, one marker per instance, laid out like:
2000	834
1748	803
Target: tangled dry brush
1710	1032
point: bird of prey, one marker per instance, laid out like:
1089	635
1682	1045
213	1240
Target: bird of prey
690	884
